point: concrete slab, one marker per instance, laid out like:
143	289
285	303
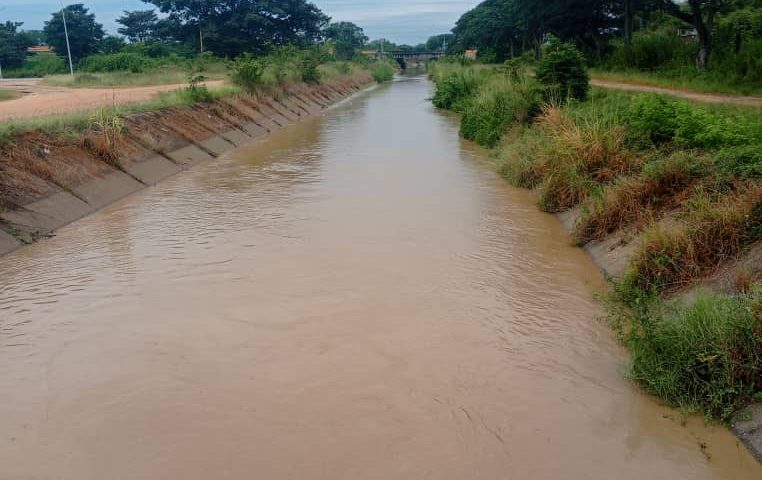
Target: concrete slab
189	155
254	130
284	110
48	214
103	191
8	243
217	145
237	137
153	170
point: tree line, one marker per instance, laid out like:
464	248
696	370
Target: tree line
508	28
225	28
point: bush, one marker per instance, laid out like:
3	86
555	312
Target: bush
500	103
562	70
660	119
744	161
651	50
39	65
310	64
383	73
247	73
116	62
196	91
455	85
707	356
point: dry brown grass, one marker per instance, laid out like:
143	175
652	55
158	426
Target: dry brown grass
714	229
636	200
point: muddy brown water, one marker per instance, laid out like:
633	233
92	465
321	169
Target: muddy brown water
356	297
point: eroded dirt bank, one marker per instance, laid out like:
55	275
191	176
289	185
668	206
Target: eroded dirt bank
48	181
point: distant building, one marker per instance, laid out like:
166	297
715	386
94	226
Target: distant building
471	53
40	49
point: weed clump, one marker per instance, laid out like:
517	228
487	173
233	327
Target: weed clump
706	356
563	71
499	104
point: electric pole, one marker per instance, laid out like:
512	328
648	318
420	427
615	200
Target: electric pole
66	34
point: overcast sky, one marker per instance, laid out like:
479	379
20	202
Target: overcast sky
402	21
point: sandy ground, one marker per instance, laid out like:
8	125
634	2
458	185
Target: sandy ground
696	96
41	100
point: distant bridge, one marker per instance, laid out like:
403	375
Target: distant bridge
413	58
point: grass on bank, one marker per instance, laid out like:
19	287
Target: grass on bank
159	76
70	125
687	178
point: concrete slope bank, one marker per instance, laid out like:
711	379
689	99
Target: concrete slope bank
49	181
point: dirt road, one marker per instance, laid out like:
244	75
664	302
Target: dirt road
695	96
40	100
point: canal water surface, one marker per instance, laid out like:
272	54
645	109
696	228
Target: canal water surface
359	296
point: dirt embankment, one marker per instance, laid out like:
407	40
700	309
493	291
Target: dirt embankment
47	181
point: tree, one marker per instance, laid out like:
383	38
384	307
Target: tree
440	42
111	44
85	33
138	25
231	27
13	45
700	14
347	38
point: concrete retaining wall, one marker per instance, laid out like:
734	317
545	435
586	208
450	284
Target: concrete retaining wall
154	146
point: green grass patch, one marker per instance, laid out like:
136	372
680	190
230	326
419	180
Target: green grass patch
704	357
6	94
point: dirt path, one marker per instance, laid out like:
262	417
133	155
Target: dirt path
40	100
696	96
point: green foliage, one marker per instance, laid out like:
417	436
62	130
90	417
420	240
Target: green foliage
346	37
13	44
383	73
455	84
247	73
116	62
650	50
500	103
230	28
310	64
563	70
744	161
84	32
706	356
111	44
196	91
138	25
662	119
39	65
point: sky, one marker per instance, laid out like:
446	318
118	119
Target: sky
401	21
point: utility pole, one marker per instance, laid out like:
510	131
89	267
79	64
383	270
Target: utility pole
66	34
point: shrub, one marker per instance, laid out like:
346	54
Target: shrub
196	91
455	84
310	72
705	356
40	65
498	105
660	119
744	161
116	62
562	70
247	72
383	73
